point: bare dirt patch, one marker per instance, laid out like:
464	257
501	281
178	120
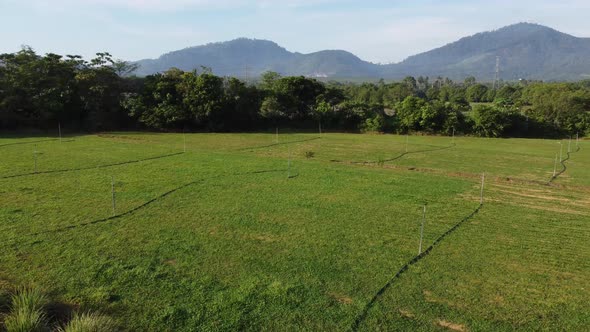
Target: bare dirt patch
406	313
171	262
451	326
343	299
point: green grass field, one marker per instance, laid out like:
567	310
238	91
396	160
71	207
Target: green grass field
242	232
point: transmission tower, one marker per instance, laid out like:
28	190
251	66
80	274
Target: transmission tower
497	75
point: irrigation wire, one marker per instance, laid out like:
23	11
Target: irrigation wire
147	203
29	142
363	315
564	167
403	155
90	167
275	144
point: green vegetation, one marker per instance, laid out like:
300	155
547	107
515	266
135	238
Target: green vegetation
29	310
27	313
89	322
219	238
52	92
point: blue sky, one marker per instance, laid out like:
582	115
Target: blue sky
377	31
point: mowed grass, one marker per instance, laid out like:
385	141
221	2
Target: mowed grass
234	244
79	152
527	159
520	265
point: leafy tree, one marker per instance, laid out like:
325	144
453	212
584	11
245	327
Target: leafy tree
271	109
409	113
202	95
161	105
124	68
268	80
37	91
476	93
374	124
489	121
397	92
469	81
240	109
410	83
297	96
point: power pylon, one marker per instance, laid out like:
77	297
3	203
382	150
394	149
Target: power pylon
497	75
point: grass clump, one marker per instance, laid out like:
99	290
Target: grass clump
27	313
89	322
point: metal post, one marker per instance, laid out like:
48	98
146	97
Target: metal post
277	135
320	126
453	135
577	140
407	138
183	141
59	130
35	157
483	179
422	230
289	165
113	195
569	145
555	166
560	151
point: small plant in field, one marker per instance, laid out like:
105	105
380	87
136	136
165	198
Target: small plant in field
309	154
89	322
27	312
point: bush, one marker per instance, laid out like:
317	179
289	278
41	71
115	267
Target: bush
27	313
374	124
309	154
89	322
490	121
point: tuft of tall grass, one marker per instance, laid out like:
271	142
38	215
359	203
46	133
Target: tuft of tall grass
89	322
27	312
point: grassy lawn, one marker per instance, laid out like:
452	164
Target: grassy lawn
519	265
220	238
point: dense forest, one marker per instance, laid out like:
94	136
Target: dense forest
38	92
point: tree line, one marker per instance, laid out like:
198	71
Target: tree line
102	94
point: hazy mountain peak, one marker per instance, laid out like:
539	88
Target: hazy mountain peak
526	50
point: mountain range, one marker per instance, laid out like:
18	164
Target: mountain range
523	50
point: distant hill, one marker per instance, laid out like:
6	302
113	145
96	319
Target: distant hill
252	57
526	50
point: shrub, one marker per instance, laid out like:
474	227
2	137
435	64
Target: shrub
490	121
309	154
27	313
374	124
89	322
